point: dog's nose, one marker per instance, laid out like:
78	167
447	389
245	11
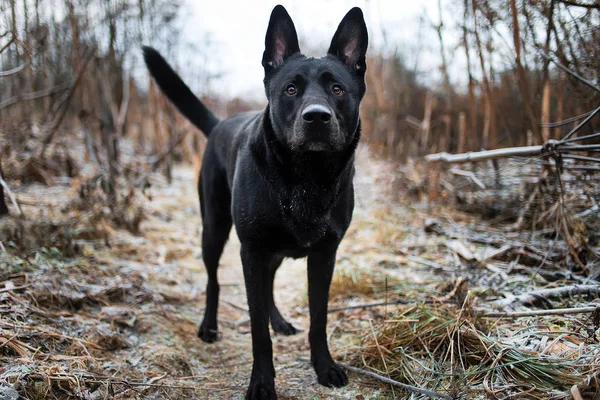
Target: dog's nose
316	113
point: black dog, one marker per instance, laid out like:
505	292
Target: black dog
284	177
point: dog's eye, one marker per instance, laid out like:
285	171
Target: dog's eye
291	90
337	89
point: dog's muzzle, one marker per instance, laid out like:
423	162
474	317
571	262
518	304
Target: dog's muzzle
317	130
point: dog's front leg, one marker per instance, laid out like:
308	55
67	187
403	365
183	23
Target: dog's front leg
256	275
320	271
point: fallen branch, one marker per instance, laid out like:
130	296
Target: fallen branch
535	313
543	297
550	147
410	388
10	289
486	154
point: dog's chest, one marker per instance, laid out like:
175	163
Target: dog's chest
307	211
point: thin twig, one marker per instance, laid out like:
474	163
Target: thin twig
570	72
56	123
410	388
371	305
7	45
579	138
582	123
535	313
174	143
565	121
35	95
582	158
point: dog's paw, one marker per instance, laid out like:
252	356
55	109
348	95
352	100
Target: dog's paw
207	334
261	389
284	327
332	376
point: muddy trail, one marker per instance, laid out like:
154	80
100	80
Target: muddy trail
118	318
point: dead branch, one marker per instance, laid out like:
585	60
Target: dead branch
174	143
526	151
56	123
566	121
535	313
570	72
543	297
35	95
582	123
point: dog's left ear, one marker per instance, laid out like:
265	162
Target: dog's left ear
281	40
350	41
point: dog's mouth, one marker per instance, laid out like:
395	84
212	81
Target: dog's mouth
317	144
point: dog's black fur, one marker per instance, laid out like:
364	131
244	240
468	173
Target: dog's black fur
284	177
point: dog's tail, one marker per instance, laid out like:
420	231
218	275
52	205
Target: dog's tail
180	95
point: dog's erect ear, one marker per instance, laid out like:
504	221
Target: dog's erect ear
281	40
350	41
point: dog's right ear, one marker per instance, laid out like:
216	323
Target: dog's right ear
349	44
281	40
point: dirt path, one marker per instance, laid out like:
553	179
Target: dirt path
119	319
173	269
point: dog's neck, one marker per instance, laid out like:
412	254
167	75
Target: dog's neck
321	169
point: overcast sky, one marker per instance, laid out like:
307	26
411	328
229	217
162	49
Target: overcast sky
237	30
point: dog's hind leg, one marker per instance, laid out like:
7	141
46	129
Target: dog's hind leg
279	324
216	219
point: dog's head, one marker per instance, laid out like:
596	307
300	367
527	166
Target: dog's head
314	102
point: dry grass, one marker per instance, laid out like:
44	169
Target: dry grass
450	350
355	283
